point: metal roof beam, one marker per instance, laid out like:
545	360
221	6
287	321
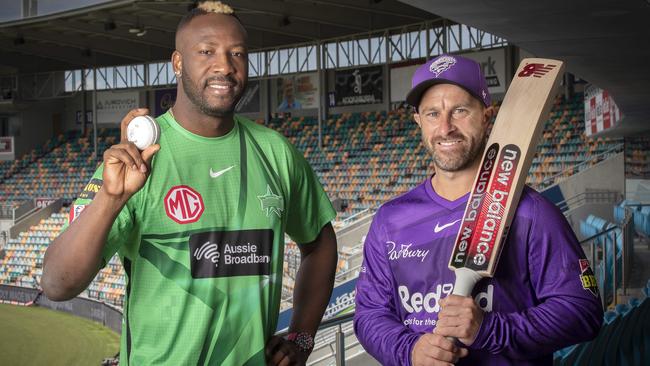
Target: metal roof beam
108	47
97	29
279	9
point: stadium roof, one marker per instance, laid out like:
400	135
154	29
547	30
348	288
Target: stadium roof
134	31
604	42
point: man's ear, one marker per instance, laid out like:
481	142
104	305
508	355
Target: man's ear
416	118
177	62
488	114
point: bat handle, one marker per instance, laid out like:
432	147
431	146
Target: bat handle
465	281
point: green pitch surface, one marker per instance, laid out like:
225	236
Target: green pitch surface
38	336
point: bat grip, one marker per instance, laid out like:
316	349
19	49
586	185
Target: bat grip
465	281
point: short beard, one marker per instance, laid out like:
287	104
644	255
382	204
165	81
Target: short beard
466	159
195	96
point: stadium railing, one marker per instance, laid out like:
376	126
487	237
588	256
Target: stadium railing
578	167
608	249
16	211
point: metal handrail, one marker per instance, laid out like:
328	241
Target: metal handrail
588	196
336	321
349	220
599	234
625	255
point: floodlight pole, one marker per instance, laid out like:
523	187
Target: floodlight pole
95	113
320	97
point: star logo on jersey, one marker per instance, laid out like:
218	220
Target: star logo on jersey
271	202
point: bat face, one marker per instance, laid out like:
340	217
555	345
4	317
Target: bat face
506	161
474	207
492	212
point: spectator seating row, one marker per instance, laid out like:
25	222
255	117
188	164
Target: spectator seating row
22	263
61	172
366	159
637	157
641	216
623	340
370	157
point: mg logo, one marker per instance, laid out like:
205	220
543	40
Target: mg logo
183	204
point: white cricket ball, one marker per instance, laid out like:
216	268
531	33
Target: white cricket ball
143	131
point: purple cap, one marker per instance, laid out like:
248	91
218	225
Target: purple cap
447	69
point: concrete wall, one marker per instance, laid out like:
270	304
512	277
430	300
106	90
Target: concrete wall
638	190
36	124
71	106
606	175
34	218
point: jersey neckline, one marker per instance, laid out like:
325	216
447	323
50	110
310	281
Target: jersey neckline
428	187
192	136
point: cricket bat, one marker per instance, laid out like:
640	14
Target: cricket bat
501	177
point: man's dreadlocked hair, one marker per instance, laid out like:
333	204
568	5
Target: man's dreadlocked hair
206	7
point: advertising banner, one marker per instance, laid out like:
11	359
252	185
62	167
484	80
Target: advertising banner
163	99
493	64
297	92
113	106
601	112
359	86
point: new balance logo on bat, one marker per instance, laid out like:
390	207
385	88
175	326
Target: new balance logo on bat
536	70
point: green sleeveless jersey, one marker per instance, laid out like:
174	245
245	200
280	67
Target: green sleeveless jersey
202	244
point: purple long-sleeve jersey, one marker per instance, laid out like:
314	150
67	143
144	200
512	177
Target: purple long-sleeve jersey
542	297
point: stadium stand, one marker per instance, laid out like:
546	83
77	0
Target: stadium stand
23	260
564	146
60	169
9	168
22	264
611	244
623	340
637	153
370	157
641	216
363	161
367	158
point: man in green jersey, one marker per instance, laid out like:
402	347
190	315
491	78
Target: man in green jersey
199	221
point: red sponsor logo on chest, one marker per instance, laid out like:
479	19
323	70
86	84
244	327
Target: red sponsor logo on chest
183	204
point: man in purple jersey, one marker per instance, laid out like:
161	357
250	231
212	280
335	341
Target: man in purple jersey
542	296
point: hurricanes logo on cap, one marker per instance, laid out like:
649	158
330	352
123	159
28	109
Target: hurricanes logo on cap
441	65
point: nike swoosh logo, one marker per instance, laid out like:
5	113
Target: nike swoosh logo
438	229
220	172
